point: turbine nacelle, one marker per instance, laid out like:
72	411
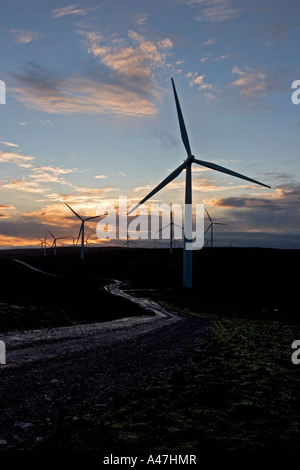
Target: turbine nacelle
187	165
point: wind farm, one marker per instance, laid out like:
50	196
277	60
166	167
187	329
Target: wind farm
121	336
187	166
81	230
211	228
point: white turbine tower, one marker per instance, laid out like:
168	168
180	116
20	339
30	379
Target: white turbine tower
81	231
54	241
211	228
187	166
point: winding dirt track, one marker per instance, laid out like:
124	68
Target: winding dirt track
58	374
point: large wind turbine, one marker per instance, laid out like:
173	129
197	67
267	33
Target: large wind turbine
81	231
211	228
54	241
187	166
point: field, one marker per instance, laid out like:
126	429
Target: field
241	391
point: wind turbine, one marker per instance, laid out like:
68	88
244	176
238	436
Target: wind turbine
86	243
74	239
171	224
41	244
211	227
44	244
81	231
187	166
54	241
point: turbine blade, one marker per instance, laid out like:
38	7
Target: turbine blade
79	232
222	169
51	234
161	185
207	228
162	228
73	211
208	215
94	217
183	131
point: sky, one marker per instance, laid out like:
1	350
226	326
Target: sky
89	113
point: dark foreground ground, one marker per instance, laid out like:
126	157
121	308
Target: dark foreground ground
240	392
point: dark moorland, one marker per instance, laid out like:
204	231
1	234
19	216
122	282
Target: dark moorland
242	392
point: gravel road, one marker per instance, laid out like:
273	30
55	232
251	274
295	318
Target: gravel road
55	375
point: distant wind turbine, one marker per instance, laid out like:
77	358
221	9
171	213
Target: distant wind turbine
54	241
87	243
211	228
187	166
74	239
81	231
41	244
171	225
44	244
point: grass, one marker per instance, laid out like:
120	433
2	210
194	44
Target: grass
242	392
33	300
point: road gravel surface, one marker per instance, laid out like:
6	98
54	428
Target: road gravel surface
56	375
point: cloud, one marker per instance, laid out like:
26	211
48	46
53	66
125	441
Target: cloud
251	83
146	187
140	18
16	158
210	91
48	173
278	210
24	123
101	177
3	210
9	144
135	60
60	215
23	185
210	57
213	10
208	42
13	241
38	89
23	36
71	10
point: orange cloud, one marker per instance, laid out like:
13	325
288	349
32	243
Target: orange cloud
3	210
135	61
16	158
23	185
250	83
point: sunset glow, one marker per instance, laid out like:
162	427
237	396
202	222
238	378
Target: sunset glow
90	115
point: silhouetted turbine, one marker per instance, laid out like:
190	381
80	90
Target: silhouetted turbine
211	228
81	231
187	166
171	225
54	241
